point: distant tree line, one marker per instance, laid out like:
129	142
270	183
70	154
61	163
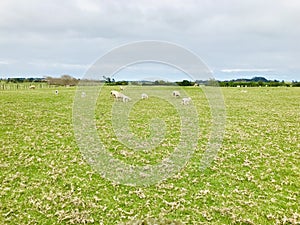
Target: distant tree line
295	84
156	83
64	80
253	82
23	80
111	81
185	83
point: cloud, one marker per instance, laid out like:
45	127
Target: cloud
231	34
4	62
246	70
60	65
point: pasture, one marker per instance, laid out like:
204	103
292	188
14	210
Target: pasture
255	178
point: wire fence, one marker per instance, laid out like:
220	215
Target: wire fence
24	86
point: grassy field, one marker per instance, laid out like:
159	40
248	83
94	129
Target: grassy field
255	179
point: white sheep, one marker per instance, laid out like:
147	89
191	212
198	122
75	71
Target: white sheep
114	93
126	98
83	94
186	101
56	92
122	88
118	95
144	96
176	93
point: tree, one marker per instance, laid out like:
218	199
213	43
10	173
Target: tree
63	80
107	79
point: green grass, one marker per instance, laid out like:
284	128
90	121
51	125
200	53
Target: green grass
255	178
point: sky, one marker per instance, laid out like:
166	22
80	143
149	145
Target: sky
234	38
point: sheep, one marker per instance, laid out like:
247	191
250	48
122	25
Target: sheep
144	96
31	87
56	92
83	94
186	101
117	95
114	93
122	88
126	98
176	93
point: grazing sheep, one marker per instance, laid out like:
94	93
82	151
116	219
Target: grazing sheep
176	93
117	95
126	98
83	94
114	93
56	92
31	87
122	88
186	101
144	96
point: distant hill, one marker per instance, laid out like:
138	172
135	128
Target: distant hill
254	82
254	79
259	79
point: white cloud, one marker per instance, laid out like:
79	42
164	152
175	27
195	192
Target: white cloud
4	62
60	65
246	70
225	34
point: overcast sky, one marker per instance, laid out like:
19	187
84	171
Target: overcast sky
234	38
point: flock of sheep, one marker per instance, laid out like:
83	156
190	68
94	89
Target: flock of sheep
120	96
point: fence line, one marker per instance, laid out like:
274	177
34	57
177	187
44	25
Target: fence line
23	86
